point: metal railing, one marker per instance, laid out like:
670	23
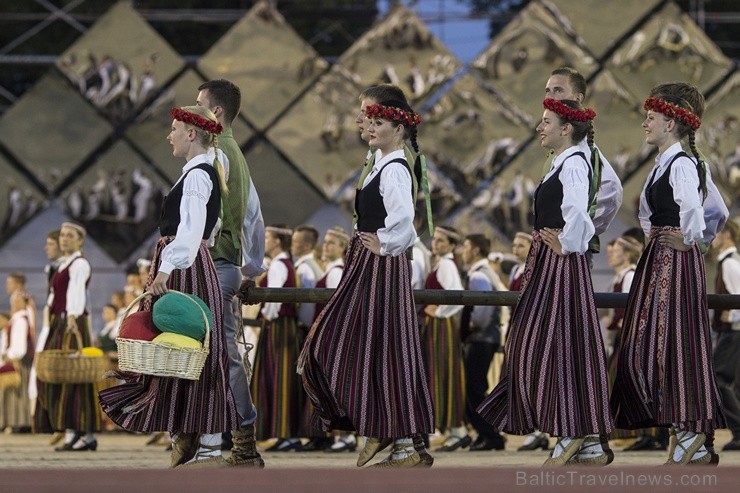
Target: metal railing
445	297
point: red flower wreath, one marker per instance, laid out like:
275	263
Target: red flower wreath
196	120
674	111
393	114
568	113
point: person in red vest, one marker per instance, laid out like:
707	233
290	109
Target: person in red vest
275	385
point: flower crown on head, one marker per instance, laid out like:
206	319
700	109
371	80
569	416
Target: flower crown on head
393	114
181	115
568	113
674	111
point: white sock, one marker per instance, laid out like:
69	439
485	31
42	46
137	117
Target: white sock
561	446
210	446
68	435
590	449
686	438
532	437
402	448
458	432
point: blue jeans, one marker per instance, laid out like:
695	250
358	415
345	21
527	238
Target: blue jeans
230	278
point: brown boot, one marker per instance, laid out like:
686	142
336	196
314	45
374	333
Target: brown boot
183	448
244	453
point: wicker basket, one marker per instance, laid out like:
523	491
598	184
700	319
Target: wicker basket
10	379
68	365
162	360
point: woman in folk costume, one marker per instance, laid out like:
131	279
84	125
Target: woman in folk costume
16	350
362	361
664	366
440	335
622	255
195	412
275	386
69	407
555	377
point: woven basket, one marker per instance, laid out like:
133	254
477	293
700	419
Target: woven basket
68	365
10	379
162	360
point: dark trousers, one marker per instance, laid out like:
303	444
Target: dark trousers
478	356
727	375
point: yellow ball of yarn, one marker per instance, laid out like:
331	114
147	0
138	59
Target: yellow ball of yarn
177	340
92	352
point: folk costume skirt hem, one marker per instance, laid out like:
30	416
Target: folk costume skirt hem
554	375
664	365
362	363
147	403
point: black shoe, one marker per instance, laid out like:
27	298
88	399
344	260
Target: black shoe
93	445
316	444
226	442
540	442
454	443
492	442
283	445
732	445
68	446
645	443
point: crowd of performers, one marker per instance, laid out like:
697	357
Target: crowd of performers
370	363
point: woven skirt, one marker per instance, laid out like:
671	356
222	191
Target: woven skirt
443	359
362	361
147	403
15	406
275	385
554	377
71	406
664	365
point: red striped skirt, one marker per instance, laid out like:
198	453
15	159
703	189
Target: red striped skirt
664	365
554	375
362	361
146	403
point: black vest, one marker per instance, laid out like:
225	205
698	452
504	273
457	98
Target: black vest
659	195
170	218
369	205
549	197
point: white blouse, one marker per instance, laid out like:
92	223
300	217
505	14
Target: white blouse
395	188
277	274
448	277
333	276
79	273
685	182
579	228
17	346
197	188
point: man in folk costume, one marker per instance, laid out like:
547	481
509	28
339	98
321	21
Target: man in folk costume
275	385
481	327
568	83
308	271
237	254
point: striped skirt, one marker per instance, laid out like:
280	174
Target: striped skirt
275	385
554	377
443	360
146	403
15	406
362	361
664	364
66	406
